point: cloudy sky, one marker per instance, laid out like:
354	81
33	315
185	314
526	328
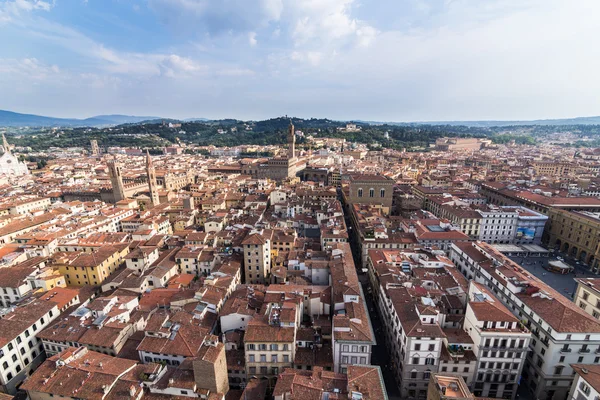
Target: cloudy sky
393	60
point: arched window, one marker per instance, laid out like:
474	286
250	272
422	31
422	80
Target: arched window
371	192
382	193
360	192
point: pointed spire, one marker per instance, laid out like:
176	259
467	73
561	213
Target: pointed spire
148	159
5	143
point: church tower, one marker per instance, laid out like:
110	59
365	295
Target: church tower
151	180
5	148
114	171
291	137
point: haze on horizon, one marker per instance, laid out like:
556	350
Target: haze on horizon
385	60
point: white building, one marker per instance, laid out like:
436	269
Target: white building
9	164
497	225
20	350
586	385
500	343
563	334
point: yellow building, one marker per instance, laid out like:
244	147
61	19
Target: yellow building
552	168
90	268
576	233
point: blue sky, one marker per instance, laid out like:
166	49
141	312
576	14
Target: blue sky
394	60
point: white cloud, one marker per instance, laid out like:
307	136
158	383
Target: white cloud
460	59
10	9
30	68
313	58
252	38
176	66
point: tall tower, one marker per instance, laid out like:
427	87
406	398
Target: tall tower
6	148
291	137
151	180
114	171
95	148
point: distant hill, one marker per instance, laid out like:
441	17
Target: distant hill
491	123
13	119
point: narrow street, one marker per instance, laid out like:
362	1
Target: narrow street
380	356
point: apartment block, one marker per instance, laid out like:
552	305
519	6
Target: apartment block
500	343
563	333
20	350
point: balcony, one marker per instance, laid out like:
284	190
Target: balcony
584	351
563	350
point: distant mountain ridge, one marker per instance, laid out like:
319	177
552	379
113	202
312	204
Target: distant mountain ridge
13	119
491	123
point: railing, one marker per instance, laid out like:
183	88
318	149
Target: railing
565	350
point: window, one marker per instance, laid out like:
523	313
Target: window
360	192
274	358
430	361
584	388
558	370
382	193
263	358
371	192
417	346
251	358
286	358
415	360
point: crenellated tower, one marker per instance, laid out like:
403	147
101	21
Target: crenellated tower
152	180
291	137
116	179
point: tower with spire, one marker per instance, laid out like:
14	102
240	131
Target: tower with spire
291	138
152	186
116	180
5	146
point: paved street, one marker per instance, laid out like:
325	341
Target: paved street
380	355
565	284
